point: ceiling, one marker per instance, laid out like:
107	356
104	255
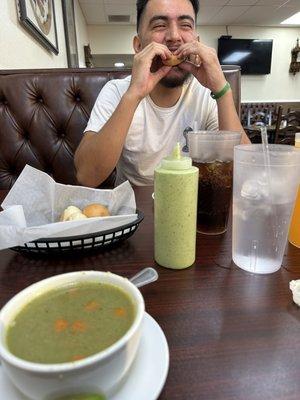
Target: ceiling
212	12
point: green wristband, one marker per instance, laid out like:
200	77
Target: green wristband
221	93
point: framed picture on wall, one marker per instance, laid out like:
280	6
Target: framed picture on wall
38	17
70	33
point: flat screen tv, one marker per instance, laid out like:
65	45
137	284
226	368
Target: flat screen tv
253	55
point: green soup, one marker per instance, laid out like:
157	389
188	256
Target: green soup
83	397
70	323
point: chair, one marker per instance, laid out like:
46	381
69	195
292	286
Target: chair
277	117
43	114
253	134
42	117
286	127
259	114
260	118
293	118
286	135
253	131
277	122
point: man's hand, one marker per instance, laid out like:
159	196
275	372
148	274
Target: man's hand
203	63
144	78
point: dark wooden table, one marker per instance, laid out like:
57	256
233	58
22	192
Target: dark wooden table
232	335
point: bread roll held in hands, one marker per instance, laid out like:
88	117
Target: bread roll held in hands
95	210
173	61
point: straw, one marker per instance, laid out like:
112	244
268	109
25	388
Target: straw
267	163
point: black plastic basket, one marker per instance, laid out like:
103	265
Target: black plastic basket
92	241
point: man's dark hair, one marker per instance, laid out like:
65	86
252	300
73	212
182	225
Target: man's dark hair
141	5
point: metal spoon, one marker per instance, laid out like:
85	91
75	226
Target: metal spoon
145	276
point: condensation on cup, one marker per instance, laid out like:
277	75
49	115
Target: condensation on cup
263	199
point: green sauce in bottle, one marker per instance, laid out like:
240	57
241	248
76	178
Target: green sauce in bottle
175	211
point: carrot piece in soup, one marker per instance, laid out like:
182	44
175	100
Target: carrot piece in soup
77	357
79	326
92	306
60	325
120	312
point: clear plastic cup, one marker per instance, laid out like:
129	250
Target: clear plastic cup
212	153
263	198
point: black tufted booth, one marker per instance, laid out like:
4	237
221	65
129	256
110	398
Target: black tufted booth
43	114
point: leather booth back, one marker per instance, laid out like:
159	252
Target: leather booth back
43	114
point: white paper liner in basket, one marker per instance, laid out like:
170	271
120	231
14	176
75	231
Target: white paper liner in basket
36	201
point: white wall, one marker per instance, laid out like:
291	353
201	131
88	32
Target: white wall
19	49
81	33
111	39
280	85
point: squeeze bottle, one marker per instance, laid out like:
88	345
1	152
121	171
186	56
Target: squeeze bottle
175	211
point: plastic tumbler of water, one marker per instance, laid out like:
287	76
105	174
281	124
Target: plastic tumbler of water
263	198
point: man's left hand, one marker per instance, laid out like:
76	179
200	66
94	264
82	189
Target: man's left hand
203	63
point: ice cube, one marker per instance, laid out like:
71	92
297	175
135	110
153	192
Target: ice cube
257	189
280	192
202	151
251	190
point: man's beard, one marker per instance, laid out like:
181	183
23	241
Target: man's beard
171	80
175	81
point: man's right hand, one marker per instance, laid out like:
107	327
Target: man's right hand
92	160
143	80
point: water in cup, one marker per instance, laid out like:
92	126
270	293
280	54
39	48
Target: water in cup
262	205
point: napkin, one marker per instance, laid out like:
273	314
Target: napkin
35	202
295	288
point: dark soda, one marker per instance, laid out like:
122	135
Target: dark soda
214	196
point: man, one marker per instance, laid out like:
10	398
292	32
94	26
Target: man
137	121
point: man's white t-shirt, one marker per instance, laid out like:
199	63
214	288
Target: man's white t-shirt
154	130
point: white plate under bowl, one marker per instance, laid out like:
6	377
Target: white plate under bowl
146	377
